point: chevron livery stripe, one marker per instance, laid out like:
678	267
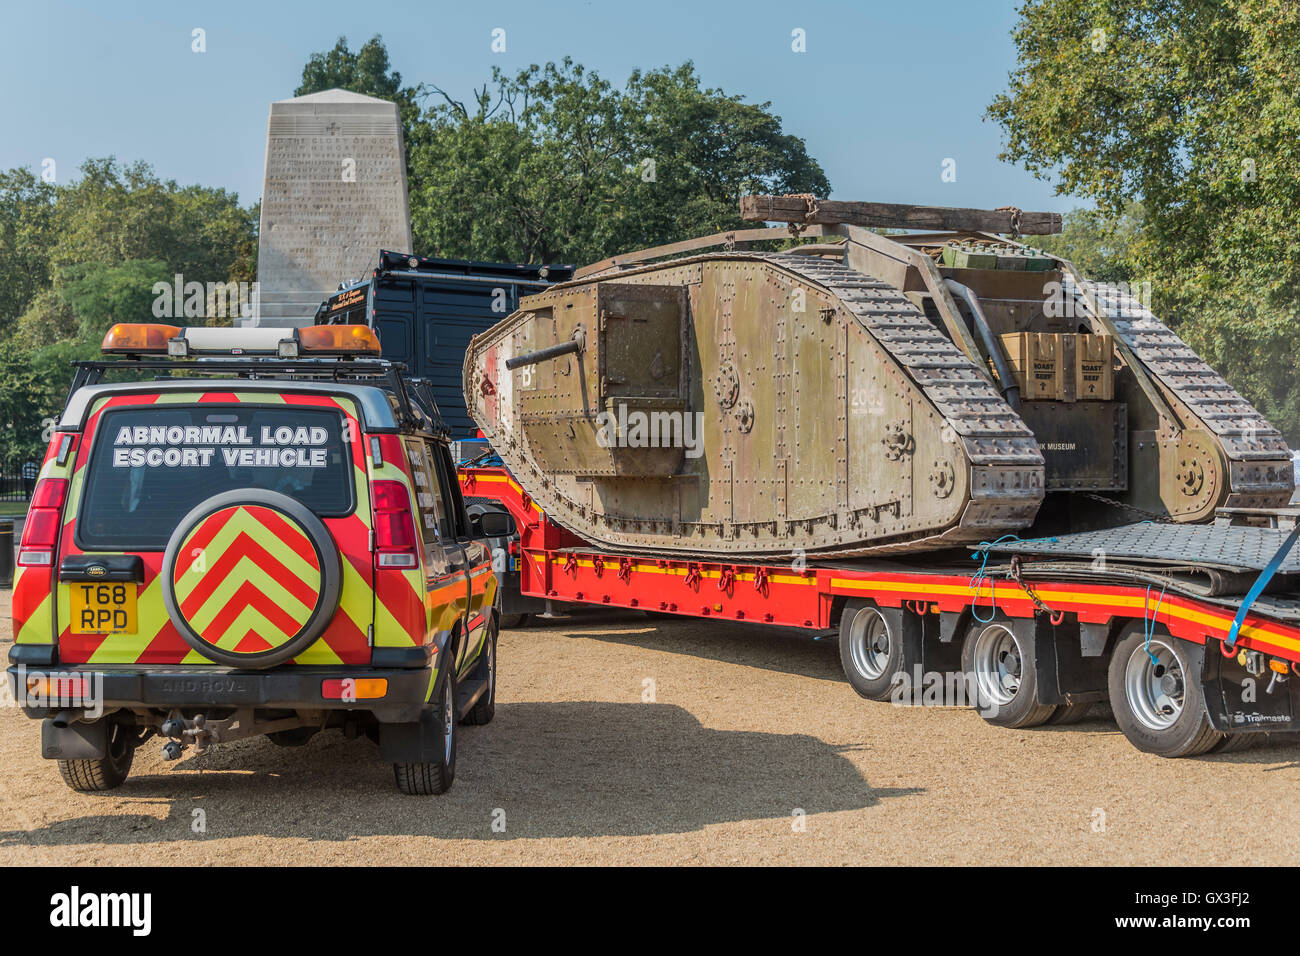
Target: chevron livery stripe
345	640
247	579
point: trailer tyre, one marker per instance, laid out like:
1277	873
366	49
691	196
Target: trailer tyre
1155	692
1003	670
1067	714
871	650
1235	743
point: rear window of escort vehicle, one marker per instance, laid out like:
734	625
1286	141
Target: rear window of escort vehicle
150	466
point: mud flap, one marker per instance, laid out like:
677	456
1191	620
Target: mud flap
929	662
418	742
79	741
1065	675
1243	703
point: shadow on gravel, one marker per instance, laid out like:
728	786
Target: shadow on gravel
729	642
574	769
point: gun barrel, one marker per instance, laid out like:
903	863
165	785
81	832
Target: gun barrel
541	355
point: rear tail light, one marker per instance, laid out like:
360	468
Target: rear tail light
44	521
58	688
395	545
353	688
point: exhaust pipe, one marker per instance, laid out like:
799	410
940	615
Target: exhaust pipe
1010	390
66	718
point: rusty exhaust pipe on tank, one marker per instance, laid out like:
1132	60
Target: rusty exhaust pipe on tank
1010	390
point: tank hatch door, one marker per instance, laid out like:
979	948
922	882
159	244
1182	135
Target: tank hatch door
606	394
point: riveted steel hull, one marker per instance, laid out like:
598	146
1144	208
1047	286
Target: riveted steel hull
823	413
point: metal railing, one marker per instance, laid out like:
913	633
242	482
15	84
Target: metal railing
13	486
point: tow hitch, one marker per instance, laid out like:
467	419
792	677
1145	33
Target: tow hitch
199	733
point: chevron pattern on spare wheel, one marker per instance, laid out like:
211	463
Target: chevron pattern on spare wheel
246	579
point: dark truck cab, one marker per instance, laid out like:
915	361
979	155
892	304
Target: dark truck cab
426	310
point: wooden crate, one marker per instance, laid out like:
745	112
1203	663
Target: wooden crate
1095	368
1061	366
1037	362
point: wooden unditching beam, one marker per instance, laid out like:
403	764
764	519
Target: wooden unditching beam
885	215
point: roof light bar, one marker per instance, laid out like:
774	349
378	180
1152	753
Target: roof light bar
139	338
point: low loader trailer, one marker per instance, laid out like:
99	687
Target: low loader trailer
1000	482
1190	632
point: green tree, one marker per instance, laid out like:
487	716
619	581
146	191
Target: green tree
1192	108
1105	248
118	213
555	164
26	240
77	257
367	72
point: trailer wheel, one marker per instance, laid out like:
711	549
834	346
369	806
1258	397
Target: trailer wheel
1002	669
1235	743
511	621
870	650
1156	695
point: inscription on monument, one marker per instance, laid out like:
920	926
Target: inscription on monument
333	195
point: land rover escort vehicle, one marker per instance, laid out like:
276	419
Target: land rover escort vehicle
258	531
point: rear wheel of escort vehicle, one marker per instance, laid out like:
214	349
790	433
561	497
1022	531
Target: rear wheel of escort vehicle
105	773
1002	669
870	652
1155	691
1067	714
485	707
436	776
251	578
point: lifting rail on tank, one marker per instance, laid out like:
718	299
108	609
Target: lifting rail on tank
860	394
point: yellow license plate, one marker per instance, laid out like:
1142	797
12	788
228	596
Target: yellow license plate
103	608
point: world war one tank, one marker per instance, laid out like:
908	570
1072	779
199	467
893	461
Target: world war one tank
858	393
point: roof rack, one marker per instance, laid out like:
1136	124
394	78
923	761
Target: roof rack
416	408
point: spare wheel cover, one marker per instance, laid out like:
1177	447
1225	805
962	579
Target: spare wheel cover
251	578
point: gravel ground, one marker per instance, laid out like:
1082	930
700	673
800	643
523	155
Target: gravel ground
749	749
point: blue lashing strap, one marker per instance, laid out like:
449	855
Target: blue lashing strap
977	579
1149	623
1261	582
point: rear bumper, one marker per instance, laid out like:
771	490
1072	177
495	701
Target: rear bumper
166	687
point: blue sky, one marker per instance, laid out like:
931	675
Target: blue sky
886	91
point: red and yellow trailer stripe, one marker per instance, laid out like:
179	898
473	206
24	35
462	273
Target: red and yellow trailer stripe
557	565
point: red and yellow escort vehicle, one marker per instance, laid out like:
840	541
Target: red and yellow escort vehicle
259	532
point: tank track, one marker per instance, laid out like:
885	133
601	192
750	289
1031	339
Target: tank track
1007	466
1259	460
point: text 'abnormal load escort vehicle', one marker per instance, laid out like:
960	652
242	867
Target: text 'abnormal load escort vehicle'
260	532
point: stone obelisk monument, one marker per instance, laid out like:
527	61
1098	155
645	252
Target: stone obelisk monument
333	195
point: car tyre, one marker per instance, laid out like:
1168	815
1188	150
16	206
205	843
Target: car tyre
428	778
103	773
